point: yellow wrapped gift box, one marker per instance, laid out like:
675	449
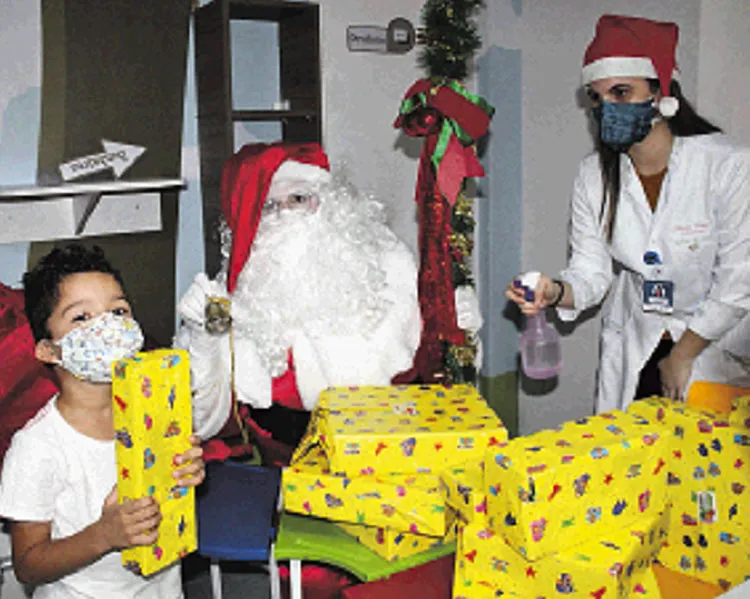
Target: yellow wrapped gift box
401	429
464	491
708	480
554	489
153	423
403	502
617	565
393	544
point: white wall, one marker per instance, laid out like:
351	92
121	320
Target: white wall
723	71
362	92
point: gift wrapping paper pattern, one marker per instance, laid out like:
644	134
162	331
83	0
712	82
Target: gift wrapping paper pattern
707	478
393	544
410	503
401	429
153	424
552	490
617	565
464	491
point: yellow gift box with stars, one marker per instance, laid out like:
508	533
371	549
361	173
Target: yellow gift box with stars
402	502
394	544
615	566
708	480
464	490
153	423
401	429
549	491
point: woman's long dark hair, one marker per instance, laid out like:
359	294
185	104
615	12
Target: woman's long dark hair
685	123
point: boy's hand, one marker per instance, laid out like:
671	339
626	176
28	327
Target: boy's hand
191	469
129	524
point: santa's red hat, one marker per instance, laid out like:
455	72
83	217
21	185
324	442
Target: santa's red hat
634	47
248	177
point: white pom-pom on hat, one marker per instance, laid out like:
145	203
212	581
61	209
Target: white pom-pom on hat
668	106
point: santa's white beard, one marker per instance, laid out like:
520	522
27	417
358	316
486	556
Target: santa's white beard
317	273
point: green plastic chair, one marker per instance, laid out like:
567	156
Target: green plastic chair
301	538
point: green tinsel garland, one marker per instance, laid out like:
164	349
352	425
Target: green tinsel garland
449	37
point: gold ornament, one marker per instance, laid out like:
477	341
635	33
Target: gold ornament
218	316
461	243
465	355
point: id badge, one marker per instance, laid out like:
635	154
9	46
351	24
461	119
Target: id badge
658	296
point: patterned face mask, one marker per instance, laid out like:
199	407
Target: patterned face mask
89	350
622	124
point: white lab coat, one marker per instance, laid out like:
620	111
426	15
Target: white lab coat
701	230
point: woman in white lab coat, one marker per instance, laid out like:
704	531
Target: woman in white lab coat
660	227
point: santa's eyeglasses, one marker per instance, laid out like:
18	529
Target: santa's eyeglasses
303	202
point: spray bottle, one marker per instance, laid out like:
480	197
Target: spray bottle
539	343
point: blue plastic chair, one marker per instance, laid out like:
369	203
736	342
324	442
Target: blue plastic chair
236	512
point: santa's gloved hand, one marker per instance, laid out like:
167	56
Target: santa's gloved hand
192	307
468	314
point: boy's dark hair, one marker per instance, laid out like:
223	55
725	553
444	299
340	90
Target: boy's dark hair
41	284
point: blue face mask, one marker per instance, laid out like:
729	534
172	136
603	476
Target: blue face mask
621	125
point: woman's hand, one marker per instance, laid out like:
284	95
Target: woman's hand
677	367
546	292
675	373
191	470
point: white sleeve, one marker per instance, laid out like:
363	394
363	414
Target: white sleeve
589	270
397	337
728	299
30	480
210	359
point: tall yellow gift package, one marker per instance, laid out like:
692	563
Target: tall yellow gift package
708	481
552	490
153	424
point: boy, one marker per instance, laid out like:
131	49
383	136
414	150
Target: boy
59	475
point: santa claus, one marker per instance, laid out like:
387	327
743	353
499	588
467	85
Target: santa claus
315	290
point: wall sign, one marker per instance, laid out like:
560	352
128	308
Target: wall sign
399	37
116	156
366	38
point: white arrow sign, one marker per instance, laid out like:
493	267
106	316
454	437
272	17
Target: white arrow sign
117	156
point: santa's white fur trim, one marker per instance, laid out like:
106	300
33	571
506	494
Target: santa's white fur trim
292	171
621	66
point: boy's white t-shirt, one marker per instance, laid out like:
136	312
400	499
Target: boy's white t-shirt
52	473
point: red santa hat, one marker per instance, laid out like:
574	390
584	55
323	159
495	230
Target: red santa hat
634	47
247	179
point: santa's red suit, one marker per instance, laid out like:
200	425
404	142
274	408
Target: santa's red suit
343	308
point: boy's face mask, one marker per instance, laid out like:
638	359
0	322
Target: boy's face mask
88	351
621	124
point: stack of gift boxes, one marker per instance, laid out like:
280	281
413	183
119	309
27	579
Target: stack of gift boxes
707	475
372	456
581	510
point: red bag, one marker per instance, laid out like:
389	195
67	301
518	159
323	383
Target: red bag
25	383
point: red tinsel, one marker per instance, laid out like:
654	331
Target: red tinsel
435	194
